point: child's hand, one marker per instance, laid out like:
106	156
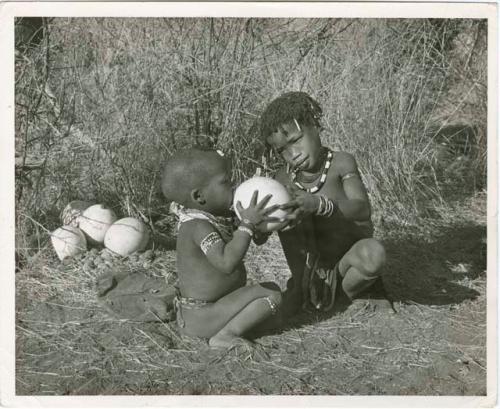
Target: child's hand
277	225
302	204
256	213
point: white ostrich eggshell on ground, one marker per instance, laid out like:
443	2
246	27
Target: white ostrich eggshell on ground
70	216
126	236
265	186
68	241
95	222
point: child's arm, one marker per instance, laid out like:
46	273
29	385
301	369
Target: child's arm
223	256
259	238
352	200
226	256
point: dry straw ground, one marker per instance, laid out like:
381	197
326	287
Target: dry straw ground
101	102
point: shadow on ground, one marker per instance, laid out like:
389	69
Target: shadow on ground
426	270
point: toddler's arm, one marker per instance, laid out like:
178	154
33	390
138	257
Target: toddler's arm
226	256
223	256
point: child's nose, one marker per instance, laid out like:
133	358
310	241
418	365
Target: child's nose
295	154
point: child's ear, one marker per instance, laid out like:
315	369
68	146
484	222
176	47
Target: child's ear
197	196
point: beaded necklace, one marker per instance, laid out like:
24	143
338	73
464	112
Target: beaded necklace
321	180
224	225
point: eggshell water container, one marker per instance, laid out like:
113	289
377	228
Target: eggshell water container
70	216
95	222
126	236
265	186
68	241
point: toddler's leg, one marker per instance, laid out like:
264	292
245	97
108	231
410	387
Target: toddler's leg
254	313
268	299
231	316
360	268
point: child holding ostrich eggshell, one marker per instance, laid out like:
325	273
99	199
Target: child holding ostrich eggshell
332	248
213	300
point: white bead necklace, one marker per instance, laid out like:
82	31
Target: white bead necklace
321	180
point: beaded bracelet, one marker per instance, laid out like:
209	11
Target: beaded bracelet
272	305
245	229
327	207
209	241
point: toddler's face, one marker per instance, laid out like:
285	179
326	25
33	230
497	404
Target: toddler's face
218	192
299	145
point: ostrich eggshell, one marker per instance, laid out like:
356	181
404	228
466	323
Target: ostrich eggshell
265	186
95	222
70	216
126	236
68	241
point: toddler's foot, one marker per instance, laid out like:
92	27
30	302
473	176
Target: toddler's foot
243	348
226	340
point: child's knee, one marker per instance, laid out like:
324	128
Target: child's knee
271	290
373	257
274	301
270	286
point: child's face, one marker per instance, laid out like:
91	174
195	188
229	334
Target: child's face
218	192
299	145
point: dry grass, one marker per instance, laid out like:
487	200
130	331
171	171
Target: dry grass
435	345
101	102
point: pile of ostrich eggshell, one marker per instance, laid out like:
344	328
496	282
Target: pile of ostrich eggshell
86	224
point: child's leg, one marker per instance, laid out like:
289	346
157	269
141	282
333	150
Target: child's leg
254	313
360	266
232	315
296	243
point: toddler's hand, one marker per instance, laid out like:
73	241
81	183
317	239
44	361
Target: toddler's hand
277	225
256	213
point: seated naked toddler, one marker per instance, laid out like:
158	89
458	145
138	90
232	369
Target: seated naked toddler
214	301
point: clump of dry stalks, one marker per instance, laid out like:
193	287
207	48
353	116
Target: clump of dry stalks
100	103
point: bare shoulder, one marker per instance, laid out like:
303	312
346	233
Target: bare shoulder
344	162
196	229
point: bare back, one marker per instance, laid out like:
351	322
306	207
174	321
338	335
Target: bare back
198	278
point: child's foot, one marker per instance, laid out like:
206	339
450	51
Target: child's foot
372	304
375	298
243	348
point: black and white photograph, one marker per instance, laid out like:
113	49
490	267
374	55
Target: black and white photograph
254	205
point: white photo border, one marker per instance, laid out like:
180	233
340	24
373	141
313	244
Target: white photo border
10	10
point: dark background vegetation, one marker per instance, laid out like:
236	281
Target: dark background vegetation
100	103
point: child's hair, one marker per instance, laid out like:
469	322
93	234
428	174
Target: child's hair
185	170
286	108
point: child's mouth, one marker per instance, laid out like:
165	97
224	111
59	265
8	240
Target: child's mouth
301	165
231	203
